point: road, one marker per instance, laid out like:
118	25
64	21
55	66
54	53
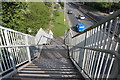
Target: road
73	18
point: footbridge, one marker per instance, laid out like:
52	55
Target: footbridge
93	54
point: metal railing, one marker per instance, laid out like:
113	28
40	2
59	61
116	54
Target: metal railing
17	50
95	52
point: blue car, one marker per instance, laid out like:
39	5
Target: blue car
80	27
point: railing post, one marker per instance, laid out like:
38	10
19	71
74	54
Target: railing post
68	51
84	54
10	52
28	49
65	35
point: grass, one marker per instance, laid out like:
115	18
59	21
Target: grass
59	27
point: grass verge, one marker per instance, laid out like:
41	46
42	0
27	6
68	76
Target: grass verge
59	27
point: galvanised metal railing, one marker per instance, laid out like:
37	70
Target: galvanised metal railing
96	51
17	50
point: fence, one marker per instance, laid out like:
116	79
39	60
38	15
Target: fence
96	51
16	50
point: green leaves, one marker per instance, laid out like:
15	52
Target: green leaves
38	17
104	6
12	16
26	17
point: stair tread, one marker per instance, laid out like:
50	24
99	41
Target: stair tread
49	67
46	69
59	65
46	76
48	72
16	78
37	66
52	64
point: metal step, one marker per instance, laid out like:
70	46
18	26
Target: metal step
47	72
46	69
50	67
57	76
16	78
59	65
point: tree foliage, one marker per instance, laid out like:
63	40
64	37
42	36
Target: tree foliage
104	6
37	17
12	16
56	13
62	4
48	4
25	17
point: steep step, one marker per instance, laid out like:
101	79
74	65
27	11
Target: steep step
16	78
47	72
47	69
53	64
50	67
58	65
54	76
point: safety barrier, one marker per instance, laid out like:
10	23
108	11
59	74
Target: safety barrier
96	50
17	50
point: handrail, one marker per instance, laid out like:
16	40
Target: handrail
100	22
98	49
13	46
47	37
14	31
18	49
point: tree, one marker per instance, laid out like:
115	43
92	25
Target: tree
25	17
12	16
116	6
104	6
37	17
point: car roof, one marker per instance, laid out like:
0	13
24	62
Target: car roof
80	24
81	15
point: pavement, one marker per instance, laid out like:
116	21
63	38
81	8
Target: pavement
73	18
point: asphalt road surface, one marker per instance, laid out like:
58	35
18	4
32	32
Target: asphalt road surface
73	18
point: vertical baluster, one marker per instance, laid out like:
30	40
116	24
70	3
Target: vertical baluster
3	49
14	49
88	52
3	67
28	50
98	54
92	52
11	43
111	48
101	36
10	53
84	53
86	60
9	38
7	51
109	25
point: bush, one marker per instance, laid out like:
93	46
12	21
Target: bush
38	17
25	17
56	13
62	4
57	6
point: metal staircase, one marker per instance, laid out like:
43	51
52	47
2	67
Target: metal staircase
52	64
96	51
93	54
